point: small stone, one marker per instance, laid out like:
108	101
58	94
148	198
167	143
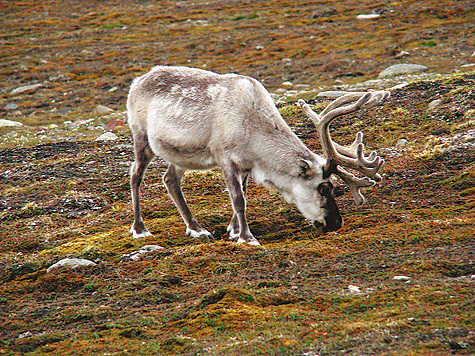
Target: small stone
434	104
354	289
332	94
399	86
135	255
11	106
287	85
9	123
113	125
26	88
402	69
401	142
401	278
59	78
107	136
302	86
71	263
368	16
25	334
150	248
287	61
101	109
401	54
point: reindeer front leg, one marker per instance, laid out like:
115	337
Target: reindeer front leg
236	187
233	227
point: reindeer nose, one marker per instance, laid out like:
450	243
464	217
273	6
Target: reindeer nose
331	224
333	219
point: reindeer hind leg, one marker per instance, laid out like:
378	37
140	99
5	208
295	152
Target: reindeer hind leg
143	156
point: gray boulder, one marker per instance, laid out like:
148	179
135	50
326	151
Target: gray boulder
70	263
398	69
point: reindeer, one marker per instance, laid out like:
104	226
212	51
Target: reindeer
196	120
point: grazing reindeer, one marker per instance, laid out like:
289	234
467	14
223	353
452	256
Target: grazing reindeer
195	119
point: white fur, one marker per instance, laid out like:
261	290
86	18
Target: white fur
195	119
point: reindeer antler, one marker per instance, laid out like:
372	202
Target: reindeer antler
353	156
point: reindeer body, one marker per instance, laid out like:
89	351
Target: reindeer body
195	119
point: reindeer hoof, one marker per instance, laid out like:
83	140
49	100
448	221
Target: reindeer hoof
250	241
198	234
140	235
233	236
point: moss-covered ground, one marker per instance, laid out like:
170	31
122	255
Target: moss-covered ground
302	293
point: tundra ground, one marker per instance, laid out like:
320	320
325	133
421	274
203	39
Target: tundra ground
302	293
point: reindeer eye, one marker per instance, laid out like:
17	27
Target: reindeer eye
325	189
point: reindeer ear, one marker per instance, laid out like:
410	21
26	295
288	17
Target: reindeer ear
305	170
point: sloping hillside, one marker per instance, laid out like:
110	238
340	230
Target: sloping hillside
397	279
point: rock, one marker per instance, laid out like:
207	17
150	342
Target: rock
332	94
399	86
401	142
302	86
9	123
401	278
458	345
434	104
402	69
101	109
287	85
11	106
402	54
135	255
287	61
108	136
367	16
26	88
113	125
354	289
25	334
71	263
59	78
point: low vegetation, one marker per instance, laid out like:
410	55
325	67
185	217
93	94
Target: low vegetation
397	279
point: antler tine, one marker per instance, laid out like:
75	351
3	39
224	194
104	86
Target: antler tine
355	184
342	100
352	156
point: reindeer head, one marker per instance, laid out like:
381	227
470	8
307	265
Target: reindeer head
316	201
